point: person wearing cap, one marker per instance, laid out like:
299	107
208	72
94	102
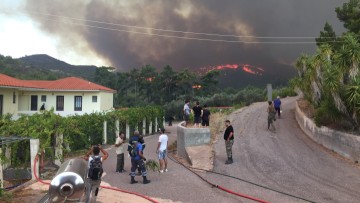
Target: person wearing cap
229	141
277	105
161	150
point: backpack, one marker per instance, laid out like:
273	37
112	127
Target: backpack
133	151
96	169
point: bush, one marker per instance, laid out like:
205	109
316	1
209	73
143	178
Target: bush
327	114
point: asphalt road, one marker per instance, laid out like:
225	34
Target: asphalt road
286	161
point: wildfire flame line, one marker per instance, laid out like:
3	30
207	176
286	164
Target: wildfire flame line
245	67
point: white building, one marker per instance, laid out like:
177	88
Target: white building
68	96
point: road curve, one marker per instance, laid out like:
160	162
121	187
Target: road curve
286	161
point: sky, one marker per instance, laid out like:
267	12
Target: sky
181	33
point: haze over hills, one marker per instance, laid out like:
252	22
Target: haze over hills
44	61
231	75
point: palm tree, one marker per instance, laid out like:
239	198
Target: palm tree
352	92
334	86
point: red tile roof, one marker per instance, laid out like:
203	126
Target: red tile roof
70	83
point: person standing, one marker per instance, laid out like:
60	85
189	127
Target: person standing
95	171
186	112
137	159
271	115
277	105
161	150
205	116
197	114
119	144
229	141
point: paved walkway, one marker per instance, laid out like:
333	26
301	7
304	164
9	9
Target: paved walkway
178	184
286	161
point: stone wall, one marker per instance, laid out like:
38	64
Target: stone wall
345	144
187	137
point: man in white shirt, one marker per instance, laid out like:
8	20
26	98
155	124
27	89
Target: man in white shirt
162	150
186	111
119	144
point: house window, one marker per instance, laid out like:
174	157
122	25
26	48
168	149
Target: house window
14	98
43	98
34	103
78	103
59	103
94	99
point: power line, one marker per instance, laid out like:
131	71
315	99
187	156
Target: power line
184	37
174	31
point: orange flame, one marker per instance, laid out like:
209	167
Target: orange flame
196	86
245	67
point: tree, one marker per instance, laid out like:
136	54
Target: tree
328	36
349	14
209	82
167	83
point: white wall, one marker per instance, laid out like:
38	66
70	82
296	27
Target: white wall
8	105
104	101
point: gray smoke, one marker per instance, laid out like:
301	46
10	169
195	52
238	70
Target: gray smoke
125	50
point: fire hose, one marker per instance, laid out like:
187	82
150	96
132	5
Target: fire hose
218	186
105	187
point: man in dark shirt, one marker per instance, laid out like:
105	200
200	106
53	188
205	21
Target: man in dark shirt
205	116
197	114
229	141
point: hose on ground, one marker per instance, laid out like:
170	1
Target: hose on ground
218	186
268	188
105	187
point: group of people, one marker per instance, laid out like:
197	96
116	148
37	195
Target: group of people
273	108
201	114
135	150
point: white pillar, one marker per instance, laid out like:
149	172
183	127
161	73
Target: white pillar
8	157
127	130
150	128
1	171
269	92
163	121
156	125
105	132
58	149
144	126
117	127
34	149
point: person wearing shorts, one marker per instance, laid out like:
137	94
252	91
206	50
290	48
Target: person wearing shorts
197	114
161	150
186	112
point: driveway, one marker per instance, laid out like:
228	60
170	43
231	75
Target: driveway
286	161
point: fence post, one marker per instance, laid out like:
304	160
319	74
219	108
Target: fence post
150	127
156	125
58	149
1	171
105	132
34	149
8	156
269	92
127	130
144	126
117	127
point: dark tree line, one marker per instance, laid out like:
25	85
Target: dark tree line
146	85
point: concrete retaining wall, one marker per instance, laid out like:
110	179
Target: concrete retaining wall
345	144
187	137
